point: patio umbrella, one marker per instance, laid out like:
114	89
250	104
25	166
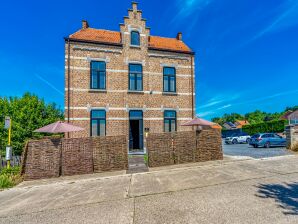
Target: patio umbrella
198	122
59	127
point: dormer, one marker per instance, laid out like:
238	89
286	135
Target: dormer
134	31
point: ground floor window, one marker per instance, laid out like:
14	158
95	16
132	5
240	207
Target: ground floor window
170	121
98	122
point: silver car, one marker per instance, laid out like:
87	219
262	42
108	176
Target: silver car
267	140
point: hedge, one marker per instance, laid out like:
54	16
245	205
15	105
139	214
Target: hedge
265	127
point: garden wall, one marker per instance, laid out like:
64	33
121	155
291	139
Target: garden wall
184	147
54	157
292	137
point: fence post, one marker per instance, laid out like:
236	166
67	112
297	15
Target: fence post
24	158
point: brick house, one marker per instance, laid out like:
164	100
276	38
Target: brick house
128	81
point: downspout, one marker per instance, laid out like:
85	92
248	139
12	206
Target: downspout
68	81
192	88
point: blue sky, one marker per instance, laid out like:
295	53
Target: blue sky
246	51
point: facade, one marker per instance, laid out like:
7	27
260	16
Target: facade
291	116
128	82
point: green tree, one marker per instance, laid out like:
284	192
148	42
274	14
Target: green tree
28	113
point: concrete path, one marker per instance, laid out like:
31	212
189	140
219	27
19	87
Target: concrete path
229	191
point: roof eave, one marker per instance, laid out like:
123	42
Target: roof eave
92	42
171	50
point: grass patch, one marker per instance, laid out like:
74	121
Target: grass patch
146	159
10	177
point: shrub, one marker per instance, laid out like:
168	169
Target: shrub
10	177
271	126
10	171
295	147
6	181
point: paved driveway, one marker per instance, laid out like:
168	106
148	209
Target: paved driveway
229	191
245	150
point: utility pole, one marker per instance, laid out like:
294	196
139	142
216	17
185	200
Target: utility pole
8	156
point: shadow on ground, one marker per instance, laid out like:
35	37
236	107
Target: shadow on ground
286	195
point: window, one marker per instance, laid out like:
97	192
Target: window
169	79
135	77
170	121
98	75
135	38
98	122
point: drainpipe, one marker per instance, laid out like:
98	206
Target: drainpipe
192	88
68	81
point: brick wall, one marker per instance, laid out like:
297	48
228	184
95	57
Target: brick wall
48	158
184	147
117	100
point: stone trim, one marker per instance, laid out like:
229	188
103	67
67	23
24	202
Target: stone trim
168	56
125	91
124	108
126	118
96	49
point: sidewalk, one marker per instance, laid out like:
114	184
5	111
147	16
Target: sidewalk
212	192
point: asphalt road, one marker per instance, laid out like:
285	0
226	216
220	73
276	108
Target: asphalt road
245	150
229	191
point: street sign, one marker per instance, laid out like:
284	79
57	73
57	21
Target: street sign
8	155
7	123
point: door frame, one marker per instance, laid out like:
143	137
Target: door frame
141	139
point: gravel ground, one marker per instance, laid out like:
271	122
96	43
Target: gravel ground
246	150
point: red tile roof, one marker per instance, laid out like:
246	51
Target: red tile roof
241	123
90	34
168	44
113	37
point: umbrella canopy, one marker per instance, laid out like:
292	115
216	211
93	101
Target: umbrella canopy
198	122
59	127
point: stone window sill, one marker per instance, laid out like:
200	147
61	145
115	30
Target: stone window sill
135	46
97	91
135	92
170	93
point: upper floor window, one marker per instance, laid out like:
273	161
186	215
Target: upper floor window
135	77
169	79
98	75
135	38
170	121
98	122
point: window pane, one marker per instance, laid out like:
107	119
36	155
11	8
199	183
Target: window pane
139	82
169	71
102	80
98	65
94	81
135	114
98	114
135	68
102	127
170	114
132	82
135	38
165	84
94	128
173	125
167	125
172	84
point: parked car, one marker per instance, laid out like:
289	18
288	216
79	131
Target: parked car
267	140
238	138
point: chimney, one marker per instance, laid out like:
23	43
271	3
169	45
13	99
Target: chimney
85	24
134	6
179	36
